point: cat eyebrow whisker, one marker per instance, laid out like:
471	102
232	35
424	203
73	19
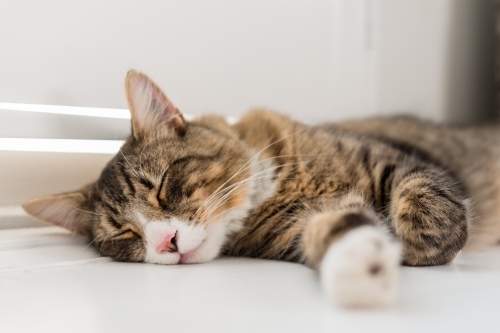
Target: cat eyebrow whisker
133	173
136	174
142	150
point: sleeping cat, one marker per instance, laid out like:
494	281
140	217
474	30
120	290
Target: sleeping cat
352	200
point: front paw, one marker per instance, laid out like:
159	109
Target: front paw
361	269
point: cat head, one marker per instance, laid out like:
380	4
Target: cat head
171	195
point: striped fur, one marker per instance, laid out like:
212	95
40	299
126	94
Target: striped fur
346	180
320	184
471	154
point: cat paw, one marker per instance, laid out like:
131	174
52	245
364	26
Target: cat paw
361	269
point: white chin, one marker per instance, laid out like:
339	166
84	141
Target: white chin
162	258
210	248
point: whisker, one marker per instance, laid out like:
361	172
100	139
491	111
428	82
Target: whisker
86	211
102	244
95	238
254	176
137	175
207	200
255	156
237	187
229	190
133	173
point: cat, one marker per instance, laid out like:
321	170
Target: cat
353	200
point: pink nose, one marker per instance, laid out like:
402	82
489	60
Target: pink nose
169	243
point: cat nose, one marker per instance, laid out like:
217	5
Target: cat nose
169	243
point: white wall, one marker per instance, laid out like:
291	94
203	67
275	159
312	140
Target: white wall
207	55
431	58
314	59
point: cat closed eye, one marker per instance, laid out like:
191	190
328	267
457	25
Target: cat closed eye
127	232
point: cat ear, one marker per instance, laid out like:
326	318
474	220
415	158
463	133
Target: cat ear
64	210
149	106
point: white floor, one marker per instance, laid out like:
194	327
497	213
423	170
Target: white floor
51	282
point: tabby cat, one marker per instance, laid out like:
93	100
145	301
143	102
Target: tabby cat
352	200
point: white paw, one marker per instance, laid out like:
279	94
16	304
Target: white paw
361	269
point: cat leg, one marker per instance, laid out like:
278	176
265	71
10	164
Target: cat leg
429	213
357	260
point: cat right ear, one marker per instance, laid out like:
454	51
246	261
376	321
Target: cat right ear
150	107
64	210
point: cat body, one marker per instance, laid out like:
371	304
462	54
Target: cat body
318	170
470	153
350	200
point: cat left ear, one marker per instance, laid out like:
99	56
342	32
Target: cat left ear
149	106
65	210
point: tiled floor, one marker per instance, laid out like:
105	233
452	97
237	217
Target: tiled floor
51	282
